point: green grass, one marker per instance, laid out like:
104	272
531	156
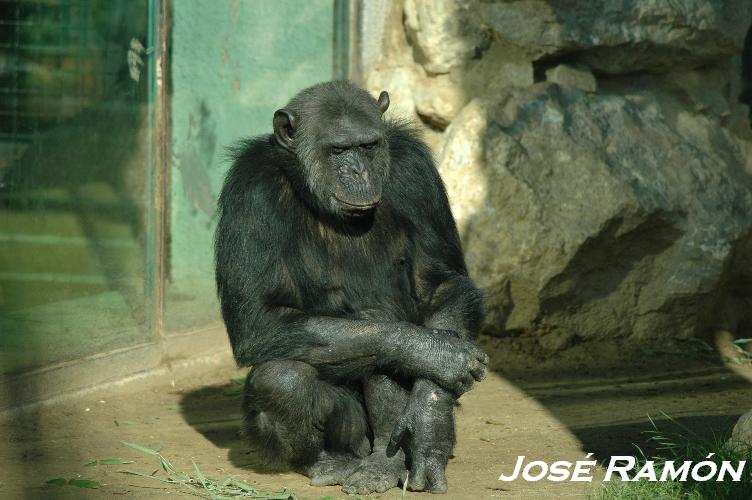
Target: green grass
743	352
680	444
200	485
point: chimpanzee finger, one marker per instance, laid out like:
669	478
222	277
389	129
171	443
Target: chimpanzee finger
463	385
416	481
481	356
458	389
398	435
478	370
436	479
404	478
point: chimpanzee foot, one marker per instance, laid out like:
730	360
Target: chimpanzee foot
375	473
427	475
330	469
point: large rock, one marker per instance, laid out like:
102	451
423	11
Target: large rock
502	66
400	82
439	100
600	215
405	85
570	76
741	435
444	33
617	36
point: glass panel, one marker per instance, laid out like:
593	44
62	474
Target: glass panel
233	64
74	170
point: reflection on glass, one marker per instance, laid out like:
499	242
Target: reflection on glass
74	170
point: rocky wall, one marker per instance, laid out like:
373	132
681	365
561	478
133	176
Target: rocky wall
596	154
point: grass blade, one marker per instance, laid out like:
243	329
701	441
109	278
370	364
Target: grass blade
149	476
84	483
142	449
244	486
167	466
200	475
108	461
203	486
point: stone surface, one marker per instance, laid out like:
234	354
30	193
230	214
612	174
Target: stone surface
590	208
710	90
571	76
741	436
439	100
400	82
600	215
404	83
614	36
557	340
443	33
502	66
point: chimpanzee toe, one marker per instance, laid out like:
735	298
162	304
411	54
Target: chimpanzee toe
375	473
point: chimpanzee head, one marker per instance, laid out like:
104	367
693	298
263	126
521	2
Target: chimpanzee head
337	133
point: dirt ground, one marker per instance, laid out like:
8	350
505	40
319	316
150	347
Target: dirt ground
546	406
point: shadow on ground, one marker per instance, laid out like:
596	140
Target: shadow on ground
612	397
607	397
215	412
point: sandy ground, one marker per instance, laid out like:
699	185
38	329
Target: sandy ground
546	407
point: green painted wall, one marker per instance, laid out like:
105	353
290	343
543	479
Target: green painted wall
233	63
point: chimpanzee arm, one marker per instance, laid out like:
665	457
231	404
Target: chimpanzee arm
451	300
262	307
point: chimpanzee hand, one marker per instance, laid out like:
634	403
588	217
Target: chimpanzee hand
458	365
441	356
426	433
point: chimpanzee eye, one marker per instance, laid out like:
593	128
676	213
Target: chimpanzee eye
338	150
369	146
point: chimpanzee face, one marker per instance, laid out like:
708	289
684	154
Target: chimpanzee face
355	161
341	147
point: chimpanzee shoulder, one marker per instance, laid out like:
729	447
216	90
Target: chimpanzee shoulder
415	186
256	161
256	211
417	192
256	185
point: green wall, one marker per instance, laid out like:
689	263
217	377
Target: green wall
232	64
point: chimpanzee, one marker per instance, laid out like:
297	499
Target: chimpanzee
342	282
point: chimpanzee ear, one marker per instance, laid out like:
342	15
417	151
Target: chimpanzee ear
383	101
285	125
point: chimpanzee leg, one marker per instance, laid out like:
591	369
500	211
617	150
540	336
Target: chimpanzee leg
421	423
385	401
296	418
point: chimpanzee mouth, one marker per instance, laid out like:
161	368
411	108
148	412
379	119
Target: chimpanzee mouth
358	207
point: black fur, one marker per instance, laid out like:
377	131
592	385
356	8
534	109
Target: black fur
358	320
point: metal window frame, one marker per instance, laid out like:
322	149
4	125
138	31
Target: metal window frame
161	154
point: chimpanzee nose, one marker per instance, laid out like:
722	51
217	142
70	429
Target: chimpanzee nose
358	167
